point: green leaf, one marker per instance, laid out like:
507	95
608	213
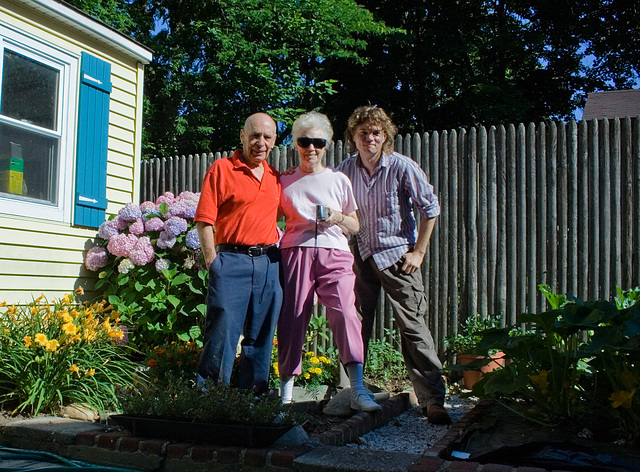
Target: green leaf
175	301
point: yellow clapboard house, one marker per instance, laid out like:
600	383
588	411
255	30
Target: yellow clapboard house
71	93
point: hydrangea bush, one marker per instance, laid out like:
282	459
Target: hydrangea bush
151	269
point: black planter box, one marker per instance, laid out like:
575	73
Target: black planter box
223	434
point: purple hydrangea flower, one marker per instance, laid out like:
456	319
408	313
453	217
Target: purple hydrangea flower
125	266
162	264
175	225
166	240
108	229
121	245
130	212
121	223
177	209
142	253
154	224
192	240
137	227
96	258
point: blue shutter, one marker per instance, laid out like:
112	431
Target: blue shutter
93	129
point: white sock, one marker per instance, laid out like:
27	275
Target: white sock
286	389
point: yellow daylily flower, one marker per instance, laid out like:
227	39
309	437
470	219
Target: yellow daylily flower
70	329
540	379
41	339
52	345
27	341
74	368
623	398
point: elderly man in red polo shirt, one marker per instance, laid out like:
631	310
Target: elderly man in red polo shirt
236	221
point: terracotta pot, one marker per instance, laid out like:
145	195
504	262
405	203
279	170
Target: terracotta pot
471	377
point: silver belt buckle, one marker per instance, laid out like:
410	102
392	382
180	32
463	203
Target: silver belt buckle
254	251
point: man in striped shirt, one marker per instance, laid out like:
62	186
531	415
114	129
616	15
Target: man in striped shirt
390	247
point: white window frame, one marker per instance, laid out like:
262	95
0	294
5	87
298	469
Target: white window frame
67	65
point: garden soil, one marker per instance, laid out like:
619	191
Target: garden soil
500	436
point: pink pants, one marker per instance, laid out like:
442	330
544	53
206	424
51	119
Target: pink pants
328	272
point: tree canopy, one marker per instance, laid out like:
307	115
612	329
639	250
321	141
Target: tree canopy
430	64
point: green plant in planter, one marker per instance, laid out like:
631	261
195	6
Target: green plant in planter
179	398
467	340
579	362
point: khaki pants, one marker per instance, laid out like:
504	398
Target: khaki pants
408	302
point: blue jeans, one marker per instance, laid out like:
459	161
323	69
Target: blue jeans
245	296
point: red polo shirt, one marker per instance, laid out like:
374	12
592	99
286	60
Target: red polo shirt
243	209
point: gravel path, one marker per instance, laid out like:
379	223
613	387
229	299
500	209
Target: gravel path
411	432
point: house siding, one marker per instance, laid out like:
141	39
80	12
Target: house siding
46	257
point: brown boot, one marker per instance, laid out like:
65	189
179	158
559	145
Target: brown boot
437	414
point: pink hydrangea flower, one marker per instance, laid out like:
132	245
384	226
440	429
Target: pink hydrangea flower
154	224
142	253
145	206
121	245
137	227
167	198
96	258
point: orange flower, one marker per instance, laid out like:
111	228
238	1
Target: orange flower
152	363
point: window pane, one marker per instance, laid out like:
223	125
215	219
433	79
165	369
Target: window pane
29	91
28	165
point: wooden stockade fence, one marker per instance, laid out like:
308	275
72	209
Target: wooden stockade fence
551	203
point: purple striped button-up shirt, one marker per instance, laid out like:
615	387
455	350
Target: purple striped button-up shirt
385	203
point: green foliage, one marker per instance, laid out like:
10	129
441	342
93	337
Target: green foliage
470	335
580	362
179	398
318	368
176	360
385	364
217	61
59	353
437	65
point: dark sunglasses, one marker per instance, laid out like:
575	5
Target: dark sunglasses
318	143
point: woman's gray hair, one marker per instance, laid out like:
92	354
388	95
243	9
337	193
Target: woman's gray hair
309	120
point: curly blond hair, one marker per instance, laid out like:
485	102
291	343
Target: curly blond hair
375	116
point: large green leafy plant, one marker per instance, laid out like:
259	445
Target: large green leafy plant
152	271
579	362
57	353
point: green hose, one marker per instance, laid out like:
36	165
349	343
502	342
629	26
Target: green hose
66	465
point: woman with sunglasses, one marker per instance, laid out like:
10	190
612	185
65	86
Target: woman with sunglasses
320	210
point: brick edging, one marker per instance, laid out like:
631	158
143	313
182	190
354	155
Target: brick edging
361	423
